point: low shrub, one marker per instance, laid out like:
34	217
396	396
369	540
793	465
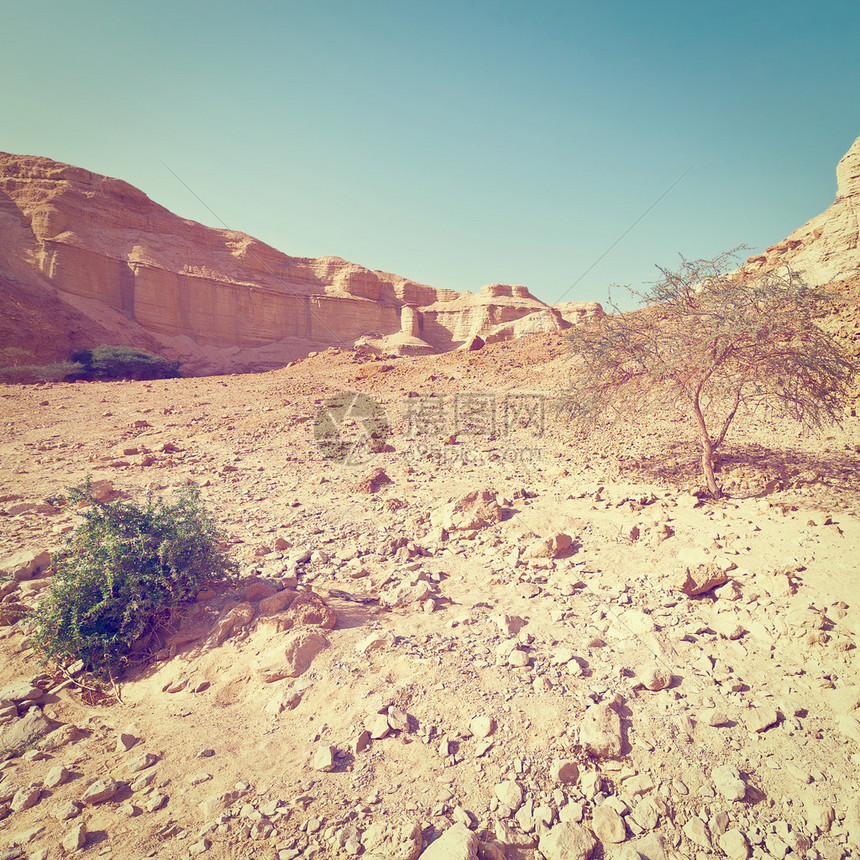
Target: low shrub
122	362
121	572
31	373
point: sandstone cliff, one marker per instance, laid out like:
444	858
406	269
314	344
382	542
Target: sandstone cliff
218	300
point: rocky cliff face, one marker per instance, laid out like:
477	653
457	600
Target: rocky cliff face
218	300
827	248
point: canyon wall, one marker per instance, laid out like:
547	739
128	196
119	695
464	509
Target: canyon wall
220	300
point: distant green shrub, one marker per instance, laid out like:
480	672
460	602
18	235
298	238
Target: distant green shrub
120	573
30	373
122	362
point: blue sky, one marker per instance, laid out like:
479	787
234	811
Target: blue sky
457	144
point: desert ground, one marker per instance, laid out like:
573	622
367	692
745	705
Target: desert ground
525	643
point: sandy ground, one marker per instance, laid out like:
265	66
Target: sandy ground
777	638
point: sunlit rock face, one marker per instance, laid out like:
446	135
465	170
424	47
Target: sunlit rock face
220	300
827	248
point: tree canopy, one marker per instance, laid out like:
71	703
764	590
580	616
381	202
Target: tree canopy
714	344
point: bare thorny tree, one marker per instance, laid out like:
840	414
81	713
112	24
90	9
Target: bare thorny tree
715	345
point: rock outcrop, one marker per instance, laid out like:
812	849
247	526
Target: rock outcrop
218	300
827	248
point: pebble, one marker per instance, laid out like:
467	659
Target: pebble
482	726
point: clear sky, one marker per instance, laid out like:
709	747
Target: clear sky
456	143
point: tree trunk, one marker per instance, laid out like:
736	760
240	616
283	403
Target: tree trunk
708	468
708	448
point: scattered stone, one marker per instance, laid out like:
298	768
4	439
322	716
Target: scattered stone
24	564
376	641
142	762
600	732
155	802
24	732
323	759
60	737
372	482
482	726
125	742
727	780
56	777
608	825
567	841
697	831
714	717
275	603
388	840
475	510
456	843
699	580
510	794
397	719
76	838
378	726
67	811
101	790
26	797
564	771
21	691
510	625
734	845
555	546
216	804
761	718
653	676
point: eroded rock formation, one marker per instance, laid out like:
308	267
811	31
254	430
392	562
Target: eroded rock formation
220	300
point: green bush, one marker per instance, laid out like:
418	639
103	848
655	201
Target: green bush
120	573
122	362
